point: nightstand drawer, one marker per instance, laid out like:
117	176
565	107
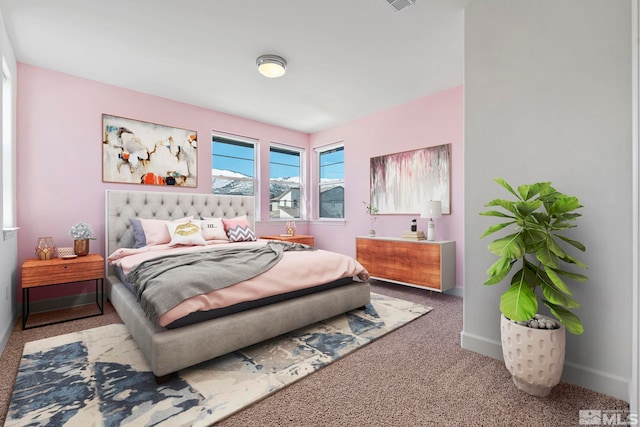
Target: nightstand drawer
57	270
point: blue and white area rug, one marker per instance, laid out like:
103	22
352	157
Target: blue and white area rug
98	377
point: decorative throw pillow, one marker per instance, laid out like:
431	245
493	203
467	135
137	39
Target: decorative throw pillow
156	232
212	229
187	234
139	239
238	230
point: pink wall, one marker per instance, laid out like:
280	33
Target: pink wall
59	152
428	121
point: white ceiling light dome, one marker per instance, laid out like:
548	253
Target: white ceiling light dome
271	66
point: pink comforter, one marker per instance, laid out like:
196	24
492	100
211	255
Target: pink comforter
296	270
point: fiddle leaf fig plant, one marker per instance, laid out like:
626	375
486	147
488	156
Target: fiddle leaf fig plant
538	215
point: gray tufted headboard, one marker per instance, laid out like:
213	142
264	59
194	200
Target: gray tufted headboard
122	205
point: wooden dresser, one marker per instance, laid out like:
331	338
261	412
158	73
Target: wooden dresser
419	263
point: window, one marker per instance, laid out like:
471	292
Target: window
8	169
233	165
284	182
331	182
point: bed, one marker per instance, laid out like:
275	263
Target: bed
176	346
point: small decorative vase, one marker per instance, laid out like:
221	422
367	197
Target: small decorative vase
81	247
45	248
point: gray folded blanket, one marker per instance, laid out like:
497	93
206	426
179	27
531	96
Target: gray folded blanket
164	282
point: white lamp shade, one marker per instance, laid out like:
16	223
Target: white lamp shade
432	209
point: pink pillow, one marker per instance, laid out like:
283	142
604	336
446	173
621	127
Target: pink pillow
156	232
238	230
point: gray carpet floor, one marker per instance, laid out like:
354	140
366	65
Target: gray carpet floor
415	376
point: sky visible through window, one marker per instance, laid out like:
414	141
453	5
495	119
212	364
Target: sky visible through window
234	158
332	165
239	159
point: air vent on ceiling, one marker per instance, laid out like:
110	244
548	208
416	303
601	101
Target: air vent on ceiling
398	5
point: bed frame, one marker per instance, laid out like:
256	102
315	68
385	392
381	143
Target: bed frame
169	350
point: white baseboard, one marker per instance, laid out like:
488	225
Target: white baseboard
481	345
572	373
4	338
456	292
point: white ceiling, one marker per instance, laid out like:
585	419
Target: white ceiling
346	59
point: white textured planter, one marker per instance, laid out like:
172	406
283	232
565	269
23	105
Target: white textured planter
533	357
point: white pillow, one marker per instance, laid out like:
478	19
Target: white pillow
155	230
187	234
212	229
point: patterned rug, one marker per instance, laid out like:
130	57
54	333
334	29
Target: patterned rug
98	377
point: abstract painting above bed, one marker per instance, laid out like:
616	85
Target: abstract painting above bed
139	152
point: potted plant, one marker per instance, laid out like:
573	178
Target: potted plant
536	248
372	212
81	234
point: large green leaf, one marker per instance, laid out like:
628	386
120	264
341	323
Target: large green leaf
528	191
519	302
495	213
511	246
503	183
568	216
564	204
555	247
546	256
557	297
573	276
557	281
541	218
573	243
496	227
526	208
561	225
567	318
533	240
506	204
498	271
571	260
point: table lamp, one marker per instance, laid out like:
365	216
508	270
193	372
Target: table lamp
432	210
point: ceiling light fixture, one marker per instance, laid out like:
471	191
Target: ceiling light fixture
271	66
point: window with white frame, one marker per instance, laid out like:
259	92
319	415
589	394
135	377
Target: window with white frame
233	165
331	181
8	170
285	182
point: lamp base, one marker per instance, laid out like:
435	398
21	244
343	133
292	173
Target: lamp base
431	230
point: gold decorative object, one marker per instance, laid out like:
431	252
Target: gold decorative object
81	247
290	228
45	248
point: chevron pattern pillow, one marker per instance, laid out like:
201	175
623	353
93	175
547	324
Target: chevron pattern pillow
239	230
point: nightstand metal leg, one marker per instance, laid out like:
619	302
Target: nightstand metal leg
25	307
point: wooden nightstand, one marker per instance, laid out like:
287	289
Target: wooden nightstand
57	271
298	238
